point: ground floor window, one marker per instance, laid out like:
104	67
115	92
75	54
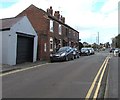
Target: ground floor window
69	43
51	44
60	42
45	47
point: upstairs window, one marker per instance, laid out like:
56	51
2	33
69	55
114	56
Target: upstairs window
74	33
60	29
67	32
51	25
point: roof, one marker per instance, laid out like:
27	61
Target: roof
9	22
50	16
54	18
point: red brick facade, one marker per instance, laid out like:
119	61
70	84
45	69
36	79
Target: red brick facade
40	20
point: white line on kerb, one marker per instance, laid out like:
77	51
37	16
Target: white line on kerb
20	70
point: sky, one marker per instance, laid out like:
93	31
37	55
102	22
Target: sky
89	17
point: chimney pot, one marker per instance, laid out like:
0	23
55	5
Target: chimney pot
50	7
58	12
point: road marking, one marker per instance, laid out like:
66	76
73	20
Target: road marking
93	84
100	80
20	70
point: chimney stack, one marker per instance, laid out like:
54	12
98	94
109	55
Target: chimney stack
50	10
62	19
57	14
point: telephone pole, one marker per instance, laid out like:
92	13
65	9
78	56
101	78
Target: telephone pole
98	38
98	42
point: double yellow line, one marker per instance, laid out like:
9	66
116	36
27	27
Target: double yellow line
100	73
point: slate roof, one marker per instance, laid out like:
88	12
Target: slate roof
9	22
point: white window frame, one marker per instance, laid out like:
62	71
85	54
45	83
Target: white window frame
74	33
51	25
60	42
45	47
60	29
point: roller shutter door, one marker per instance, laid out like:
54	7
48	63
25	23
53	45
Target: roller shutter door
24	49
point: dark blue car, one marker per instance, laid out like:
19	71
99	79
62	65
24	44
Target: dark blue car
63	54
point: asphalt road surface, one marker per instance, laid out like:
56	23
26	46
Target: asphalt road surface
113	78
70	79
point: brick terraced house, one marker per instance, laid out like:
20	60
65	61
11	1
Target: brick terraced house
51	29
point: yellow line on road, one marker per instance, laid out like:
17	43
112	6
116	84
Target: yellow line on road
100	80
20	70
93	84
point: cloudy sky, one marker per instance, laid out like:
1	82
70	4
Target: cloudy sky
87	16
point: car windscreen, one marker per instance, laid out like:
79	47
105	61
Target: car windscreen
63	49
84	49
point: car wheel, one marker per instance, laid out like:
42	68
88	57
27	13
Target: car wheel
66	58
76	56
73	57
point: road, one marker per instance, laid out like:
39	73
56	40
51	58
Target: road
70	79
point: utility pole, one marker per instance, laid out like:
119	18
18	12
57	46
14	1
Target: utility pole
98	41
98	38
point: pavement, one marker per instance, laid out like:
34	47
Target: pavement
6	68
112	79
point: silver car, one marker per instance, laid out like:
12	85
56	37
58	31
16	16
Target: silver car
85	51
91	51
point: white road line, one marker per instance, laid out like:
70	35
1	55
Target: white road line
20	70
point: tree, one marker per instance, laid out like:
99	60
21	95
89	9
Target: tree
95	46
107	45
80	45
118	41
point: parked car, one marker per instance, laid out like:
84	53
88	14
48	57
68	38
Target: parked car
103	49
116	52
76	53
85	51
63	54
91	51
119	54
112	50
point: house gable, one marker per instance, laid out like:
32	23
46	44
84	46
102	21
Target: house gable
37	18
22	28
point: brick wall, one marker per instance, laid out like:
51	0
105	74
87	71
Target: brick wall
40	22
